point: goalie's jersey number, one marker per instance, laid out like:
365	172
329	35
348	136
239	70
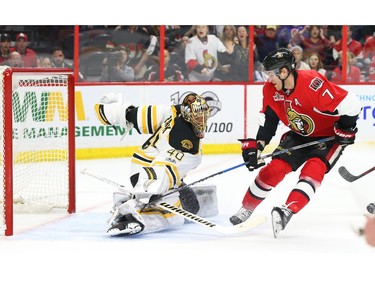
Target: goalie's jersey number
222	127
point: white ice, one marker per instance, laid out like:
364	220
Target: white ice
318	243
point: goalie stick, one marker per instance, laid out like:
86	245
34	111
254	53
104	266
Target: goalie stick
349	177
242	227
245	226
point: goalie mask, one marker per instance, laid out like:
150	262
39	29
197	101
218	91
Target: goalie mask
195	110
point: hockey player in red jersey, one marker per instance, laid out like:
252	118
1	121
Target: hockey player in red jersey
313	108
173	149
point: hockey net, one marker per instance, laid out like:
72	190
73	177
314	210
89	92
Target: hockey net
37	132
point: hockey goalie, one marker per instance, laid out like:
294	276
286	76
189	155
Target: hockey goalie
160	164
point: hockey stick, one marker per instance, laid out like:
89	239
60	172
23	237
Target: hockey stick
349	177
286	150
247	225
121	187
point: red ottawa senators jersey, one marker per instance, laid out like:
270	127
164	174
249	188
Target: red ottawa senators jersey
310	110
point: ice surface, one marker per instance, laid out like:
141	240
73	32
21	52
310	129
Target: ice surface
318	243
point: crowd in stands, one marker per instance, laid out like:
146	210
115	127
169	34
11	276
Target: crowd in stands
198	53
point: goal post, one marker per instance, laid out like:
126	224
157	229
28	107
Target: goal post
38	136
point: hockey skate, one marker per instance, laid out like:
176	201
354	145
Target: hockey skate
280	218
241	216
125	225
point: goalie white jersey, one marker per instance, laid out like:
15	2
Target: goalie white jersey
160	164
173	146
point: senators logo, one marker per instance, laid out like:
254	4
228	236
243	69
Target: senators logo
299	123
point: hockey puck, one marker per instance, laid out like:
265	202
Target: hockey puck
371	208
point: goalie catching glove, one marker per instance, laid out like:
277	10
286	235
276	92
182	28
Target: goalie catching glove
112	109
251	152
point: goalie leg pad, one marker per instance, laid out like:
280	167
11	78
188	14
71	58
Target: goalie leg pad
207	198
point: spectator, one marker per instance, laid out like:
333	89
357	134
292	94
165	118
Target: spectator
172	72
369	49
241	66
14	60
315	42
226	60
5	42
178	55
58	58
315	63
140	44
29	57
116	69
353	74
201	54
353	46
259	74
298	55
175	33
371	71
269	41
45	62
286	33
59	61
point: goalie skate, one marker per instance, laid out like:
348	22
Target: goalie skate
125	225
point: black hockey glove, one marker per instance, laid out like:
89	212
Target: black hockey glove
344	136
251	151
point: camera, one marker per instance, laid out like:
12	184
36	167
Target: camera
114	58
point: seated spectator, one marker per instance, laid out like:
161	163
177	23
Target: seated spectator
259	74
58	61
353	46
315	63
29	57
58	58
172	72
371	71
353	74
315	42
369	49
5	42
140	43
116	69
14	60
298	55
201	54
45	62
